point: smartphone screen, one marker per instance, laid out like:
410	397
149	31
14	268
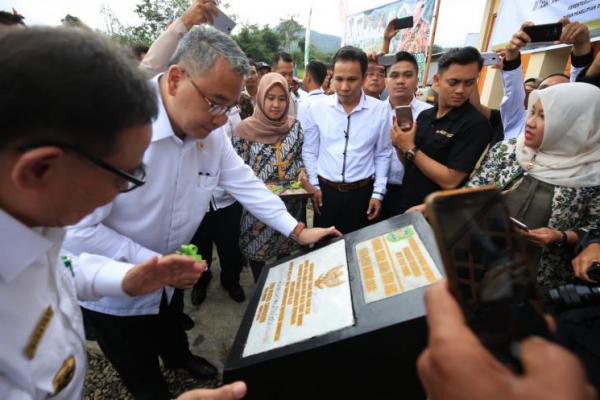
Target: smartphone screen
486	266
403	23
544	33
404	118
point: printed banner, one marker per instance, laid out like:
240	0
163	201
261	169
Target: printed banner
365	30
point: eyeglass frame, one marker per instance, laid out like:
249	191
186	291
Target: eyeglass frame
213	109
121	173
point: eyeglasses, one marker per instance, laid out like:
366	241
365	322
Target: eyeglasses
132	180
214	109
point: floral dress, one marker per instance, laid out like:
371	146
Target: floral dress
573	208
270	163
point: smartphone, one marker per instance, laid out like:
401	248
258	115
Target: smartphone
402	23
404	117
490	58
387	59
544	33
486	266
223	23
519	224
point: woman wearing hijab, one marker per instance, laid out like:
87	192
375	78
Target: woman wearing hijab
270	142
550	175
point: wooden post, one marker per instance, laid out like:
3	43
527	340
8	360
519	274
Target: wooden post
431	42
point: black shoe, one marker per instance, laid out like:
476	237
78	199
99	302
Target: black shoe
236	292
200	288
187	322
198	367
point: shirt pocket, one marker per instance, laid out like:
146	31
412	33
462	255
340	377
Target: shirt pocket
207	180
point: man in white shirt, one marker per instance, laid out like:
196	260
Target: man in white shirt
401	84
513	108
347	148
60	158
314	76
188	157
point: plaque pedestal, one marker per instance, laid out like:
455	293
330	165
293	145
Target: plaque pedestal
373	357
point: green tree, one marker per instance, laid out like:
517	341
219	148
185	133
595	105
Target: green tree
258	44
290	31
154	16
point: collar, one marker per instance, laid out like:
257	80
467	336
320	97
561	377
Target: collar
455	113
20	245
161	126
365	102
316	92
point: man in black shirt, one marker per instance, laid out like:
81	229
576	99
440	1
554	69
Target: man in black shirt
441	149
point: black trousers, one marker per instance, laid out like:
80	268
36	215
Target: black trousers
346	210
133	345
392	202
222	227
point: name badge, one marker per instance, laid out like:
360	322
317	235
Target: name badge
444	133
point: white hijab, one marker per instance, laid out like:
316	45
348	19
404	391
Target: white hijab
570	151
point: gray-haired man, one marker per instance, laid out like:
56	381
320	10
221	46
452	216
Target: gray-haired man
185	162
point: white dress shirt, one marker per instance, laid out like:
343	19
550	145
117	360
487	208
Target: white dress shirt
346	148
512	109
305	104
221	198
396	172
160	216
32	280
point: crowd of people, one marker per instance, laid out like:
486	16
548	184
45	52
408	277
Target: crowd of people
112	159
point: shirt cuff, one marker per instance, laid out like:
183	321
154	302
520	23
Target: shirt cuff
378	196
109	279
512	64
286	225
582	61
179	28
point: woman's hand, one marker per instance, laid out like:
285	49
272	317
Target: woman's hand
541	236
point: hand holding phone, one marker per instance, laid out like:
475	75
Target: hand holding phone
544	33
486	266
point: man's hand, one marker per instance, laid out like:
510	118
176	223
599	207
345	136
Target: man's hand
390	31
517	41
317	201
313	235
234	391
402	139
455	364
577	34
200	12
541	236
171	270
374	209
584	261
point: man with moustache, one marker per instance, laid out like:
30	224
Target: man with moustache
441	149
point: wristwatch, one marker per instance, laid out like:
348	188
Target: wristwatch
563	240
295	235
410	154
